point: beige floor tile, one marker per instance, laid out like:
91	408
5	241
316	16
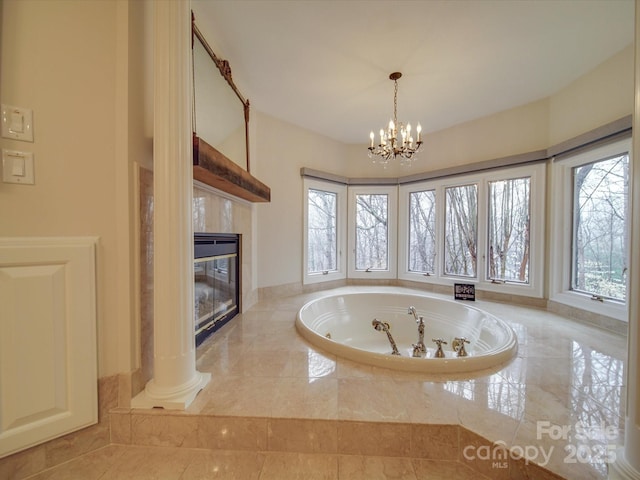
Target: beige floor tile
225	465
443	470
368	398
91	466
355	467
299	466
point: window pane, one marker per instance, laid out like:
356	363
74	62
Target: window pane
322	235
371	232
461	218
422	231
509	212
600	225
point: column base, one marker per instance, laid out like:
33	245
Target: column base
621	469
178	400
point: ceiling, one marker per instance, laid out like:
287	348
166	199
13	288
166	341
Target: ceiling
324	64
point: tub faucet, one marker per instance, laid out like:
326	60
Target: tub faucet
384	327
419	348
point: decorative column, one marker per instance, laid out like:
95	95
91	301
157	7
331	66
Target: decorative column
627	464
175	381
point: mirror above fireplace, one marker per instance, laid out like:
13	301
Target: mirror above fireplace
221	126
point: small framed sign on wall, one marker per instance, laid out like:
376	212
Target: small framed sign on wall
464	291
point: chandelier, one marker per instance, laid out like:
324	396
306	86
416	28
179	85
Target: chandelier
396	140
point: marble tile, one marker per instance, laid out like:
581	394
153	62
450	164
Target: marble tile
373	438
437	442
151	463
356	467
231	433
306	398
491	410
120	426
444	470
569	449
299	466
93	465
244	395
429	402
521	470
483	456
155	429
77	443
24	463
225	465
261	363
308	363
367	398
304	436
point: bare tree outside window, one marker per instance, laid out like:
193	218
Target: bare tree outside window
600	227
509	234
322	231
422	231
371	246
461	230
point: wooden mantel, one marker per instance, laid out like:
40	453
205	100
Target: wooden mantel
213	168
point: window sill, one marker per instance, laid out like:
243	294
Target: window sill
617	311
502	288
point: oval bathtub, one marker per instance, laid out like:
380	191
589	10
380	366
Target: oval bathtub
341	324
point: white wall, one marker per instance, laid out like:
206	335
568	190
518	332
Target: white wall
520	129
600	96
281	150
77	65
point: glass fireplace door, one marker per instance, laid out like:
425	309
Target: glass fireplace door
216	292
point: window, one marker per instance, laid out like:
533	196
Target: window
600	222
372	232
485	228
509	243
324	231
461	230
322	236
372	227
422	231
590	222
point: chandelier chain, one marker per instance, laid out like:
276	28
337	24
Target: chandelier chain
395	103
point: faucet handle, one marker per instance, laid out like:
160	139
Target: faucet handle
439	342
458	346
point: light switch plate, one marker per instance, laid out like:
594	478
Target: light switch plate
17	167
17	123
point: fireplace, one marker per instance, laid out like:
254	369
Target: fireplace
216	281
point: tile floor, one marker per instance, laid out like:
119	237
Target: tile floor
566	376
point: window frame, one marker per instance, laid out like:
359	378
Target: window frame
536	172
560	289
404	223
392	251
341	226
